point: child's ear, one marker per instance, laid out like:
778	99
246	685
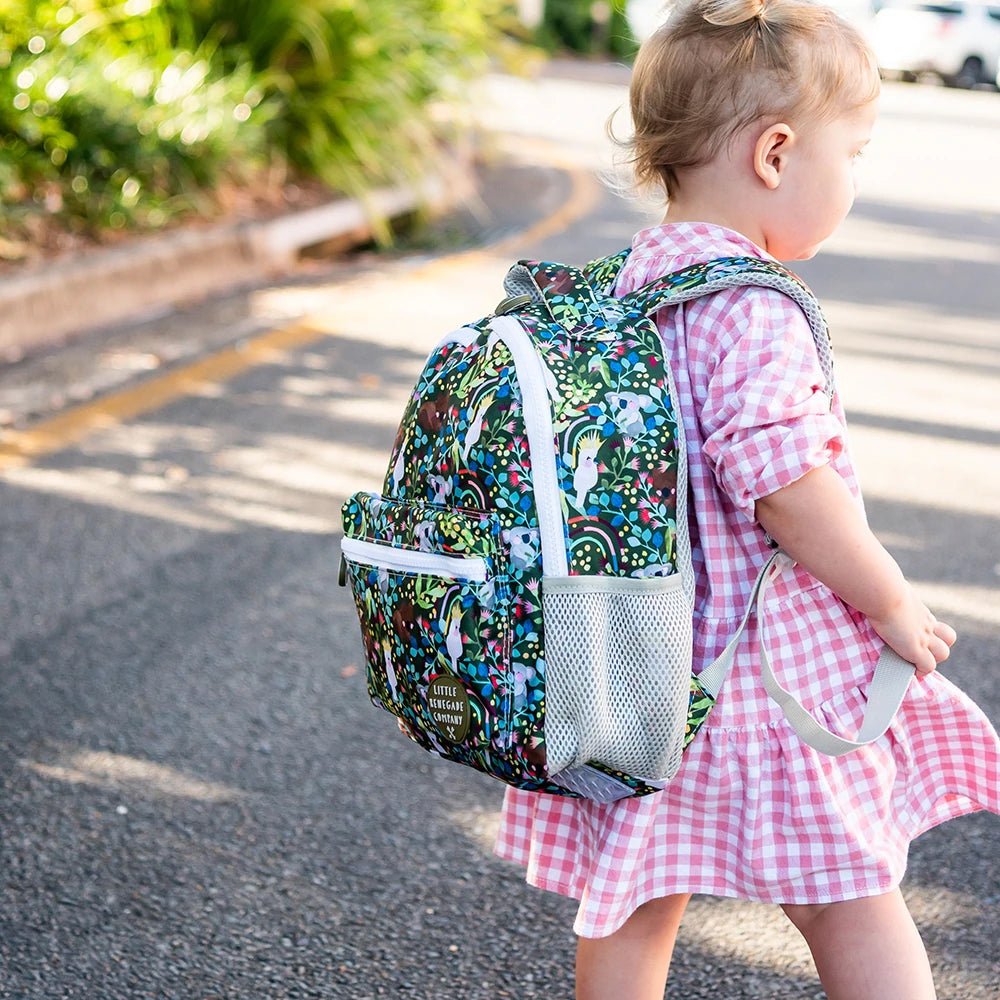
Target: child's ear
771	153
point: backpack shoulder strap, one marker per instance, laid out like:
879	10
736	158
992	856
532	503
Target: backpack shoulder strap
892	674
737	272
582	301
603	272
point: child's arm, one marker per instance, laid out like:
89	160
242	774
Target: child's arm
819	524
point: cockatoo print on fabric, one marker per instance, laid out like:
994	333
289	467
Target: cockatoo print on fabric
586	469
453	642
390	670
475	428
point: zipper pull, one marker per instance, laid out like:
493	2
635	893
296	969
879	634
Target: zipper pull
512	303
342	576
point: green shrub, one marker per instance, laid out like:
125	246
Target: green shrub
355	82
105	123
126	112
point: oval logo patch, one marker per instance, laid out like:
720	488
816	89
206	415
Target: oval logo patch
450	708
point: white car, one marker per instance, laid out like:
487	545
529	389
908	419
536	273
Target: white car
957	40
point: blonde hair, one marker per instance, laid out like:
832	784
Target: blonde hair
716	66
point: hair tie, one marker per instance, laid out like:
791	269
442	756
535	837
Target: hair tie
727	13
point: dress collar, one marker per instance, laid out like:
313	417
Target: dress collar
699	239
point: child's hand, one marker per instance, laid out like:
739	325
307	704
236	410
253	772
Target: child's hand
914	633
817	522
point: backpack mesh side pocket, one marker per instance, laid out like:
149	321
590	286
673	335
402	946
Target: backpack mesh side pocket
617	673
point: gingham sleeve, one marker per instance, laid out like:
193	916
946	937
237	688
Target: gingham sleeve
766	420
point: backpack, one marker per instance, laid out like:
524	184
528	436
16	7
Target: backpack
524	580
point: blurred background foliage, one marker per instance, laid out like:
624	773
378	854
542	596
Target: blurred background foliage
587	27
123	114
106	121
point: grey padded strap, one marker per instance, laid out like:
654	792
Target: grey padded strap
885	693
762	276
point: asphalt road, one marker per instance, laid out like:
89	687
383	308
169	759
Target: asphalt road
197	800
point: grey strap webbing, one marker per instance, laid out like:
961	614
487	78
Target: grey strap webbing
885	693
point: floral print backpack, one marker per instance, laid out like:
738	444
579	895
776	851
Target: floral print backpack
524	580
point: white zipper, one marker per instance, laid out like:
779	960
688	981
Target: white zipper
413	560
537	410
532	377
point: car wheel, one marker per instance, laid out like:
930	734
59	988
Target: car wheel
970	74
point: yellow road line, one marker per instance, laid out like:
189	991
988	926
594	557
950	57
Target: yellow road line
583	196
18	448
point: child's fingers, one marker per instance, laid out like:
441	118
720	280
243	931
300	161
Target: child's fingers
926	663
944	639
918	637
945	632
938	648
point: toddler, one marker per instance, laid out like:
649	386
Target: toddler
750	116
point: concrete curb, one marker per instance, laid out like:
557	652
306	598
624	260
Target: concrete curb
148	276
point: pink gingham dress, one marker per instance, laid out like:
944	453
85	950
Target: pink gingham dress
754	812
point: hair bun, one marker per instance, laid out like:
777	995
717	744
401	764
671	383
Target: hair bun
726	13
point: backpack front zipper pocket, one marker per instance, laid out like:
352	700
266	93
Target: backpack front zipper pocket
430	586
387	557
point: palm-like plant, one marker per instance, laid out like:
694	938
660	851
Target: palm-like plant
105	122
353	79
125	111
